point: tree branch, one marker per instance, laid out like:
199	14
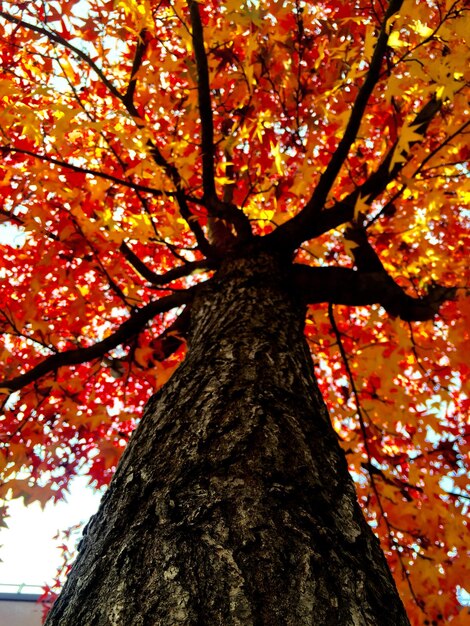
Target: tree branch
217	208
340	285
419	170
343	210
192	221
293	232
384	174
194	226
159	159
364	430
122	335
365	257
84	170
205	106
141	48
163	279
52	36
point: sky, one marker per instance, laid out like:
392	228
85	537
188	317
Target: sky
29	554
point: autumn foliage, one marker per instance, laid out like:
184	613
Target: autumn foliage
122	121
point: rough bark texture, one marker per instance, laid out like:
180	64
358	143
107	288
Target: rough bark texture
232	504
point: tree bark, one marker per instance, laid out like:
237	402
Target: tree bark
232	504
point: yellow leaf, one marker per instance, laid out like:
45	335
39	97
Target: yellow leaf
421	29
349	246
408	136
369	42
276	152
361	207
394	40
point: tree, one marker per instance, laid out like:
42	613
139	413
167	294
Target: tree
225	189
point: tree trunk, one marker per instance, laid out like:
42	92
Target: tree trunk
232	504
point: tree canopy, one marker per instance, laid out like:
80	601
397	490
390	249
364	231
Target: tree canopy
142	142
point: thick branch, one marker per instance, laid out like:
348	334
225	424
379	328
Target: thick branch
122	335
205	106
163	279
192	221
141	47
340	285
343	210
217	208
292	233
378	180
366	258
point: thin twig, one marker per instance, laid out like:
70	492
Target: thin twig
367	449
